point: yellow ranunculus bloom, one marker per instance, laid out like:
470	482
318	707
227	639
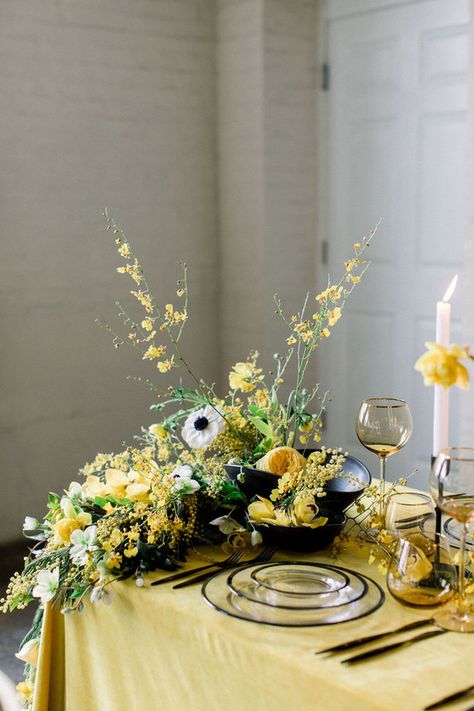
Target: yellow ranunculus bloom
281	460
62	530
261	511
441	366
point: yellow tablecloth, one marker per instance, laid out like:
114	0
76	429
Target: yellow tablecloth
158	648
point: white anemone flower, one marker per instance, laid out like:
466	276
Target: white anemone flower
47	583
183	481
83	543
202	427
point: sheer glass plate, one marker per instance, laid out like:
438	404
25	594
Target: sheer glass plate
452	529
300	579
243	583
217	594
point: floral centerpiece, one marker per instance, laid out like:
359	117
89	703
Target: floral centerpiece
143	508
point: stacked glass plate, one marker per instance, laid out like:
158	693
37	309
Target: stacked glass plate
293	594
452	529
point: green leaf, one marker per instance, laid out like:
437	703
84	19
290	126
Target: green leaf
256	411
261	426
100	501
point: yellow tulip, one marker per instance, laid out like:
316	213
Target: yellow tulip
137	492
95	487
441	366
116	480
281	460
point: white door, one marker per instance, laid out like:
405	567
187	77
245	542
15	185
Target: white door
395	141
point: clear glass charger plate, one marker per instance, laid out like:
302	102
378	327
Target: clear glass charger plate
217	594
330	587
301	579
452	528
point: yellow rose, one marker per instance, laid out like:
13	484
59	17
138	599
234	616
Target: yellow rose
440	365
281	460
62	530
261	511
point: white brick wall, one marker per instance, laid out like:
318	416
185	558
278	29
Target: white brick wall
103	103
144	106
267	167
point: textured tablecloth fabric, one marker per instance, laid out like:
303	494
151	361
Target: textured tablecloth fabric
164	649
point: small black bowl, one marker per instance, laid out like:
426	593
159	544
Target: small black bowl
341	492
303	538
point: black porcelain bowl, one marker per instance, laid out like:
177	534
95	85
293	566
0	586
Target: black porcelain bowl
341	492
303	538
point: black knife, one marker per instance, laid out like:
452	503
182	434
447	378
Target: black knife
390	647
453	697
374	637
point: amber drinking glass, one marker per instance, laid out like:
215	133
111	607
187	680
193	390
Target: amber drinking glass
421	571
383	426
452	488
408	512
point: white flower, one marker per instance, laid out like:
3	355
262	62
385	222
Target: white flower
83	543
256	538
101	594
29	653
30	523
202	427
47	583
183	481
226	524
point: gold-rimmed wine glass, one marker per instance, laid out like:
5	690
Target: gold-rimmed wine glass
383	426
452	488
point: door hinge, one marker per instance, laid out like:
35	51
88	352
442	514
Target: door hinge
325	252
325	76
